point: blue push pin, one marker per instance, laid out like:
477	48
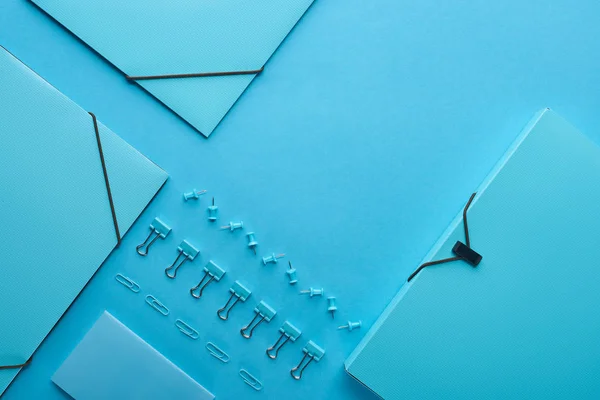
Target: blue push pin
272	258
331	307
193	195
252	243
233	226
313	292
351	326
291	273
213	211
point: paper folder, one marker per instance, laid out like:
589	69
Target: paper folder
523	323
155	37
56	220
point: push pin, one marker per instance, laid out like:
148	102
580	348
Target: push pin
291	273
233	226
264	312
313	292
213	211
157	228
288	332
211	271
331	307
272	258
193	195
240	292
311	351
252	243
188	252
351	326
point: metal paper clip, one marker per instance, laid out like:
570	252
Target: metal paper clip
216	352
188	252
211	271
186	329
288	332
264	312
240	292
157	305
311	351
128	283
251	380
157	228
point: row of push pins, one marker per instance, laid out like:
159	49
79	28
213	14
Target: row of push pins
331	300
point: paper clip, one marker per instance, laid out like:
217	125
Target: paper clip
216	352
251	380
264	312
188	252
157	228
211	271
311	351
157	305
289	332
128	283
240	292
186	329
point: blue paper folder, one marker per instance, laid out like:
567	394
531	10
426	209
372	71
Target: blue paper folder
524	323
156	37
56	225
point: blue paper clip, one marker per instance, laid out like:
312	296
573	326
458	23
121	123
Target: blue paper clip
157	228
211	271
128	283
264	312
251	380
311	351
240	292
186	329
289	332
157	305
188	252
216	352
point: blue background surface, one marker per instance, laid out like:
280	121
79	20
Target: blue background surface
352	152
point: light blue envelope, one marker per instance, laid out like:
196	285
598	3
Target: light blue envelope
56	224
524	323
156	37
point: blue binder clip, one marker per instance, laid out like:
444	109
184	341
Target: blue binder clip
311	351
188	252
211	271
264	312
240	292
288	332
157	228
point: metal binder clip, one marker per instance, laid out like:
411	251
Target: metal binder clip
211	271
289	332
188	252
311	351
157	228
264	312
240	292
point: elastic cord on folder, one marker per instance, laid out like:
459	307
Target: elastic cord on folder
17	366
106	181
194	75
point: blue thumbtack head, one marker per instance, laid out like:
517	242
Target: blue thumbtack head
313	352
351	325
233	226
193	195
313	292
331	307
252	243
213	211
288	332
240	292
291	273
263	311
272	258
188	252
211	271
157	228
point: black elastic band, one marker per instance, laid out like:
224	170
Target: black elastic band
194	75
17	366
106	181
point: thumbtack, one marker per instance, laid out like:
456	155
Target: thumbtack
291	273
211	271
157	228
313	292
263	311
233	226
186	250
272	258
331	307
313	352
351	325
193	195
252	243
212	211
